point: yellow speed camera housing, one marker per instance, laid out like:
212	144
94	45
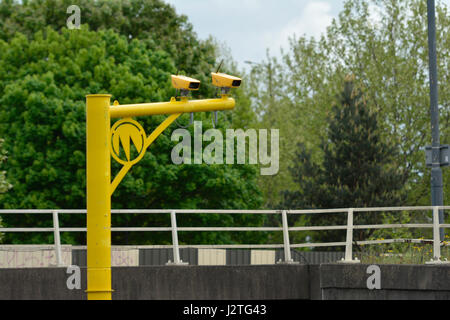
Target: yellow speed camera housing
185	83
223	80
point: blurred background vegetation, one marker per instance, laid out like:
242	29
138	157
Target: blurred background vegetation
352	108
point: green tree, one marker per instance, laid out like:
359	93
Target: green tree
4	185
273	110
357	169
152	21
384	43
43	83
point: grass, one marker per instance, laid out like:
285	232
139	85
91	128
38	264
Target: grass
401	253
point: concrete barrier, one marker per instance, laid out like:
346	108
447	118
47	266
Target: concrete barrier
239	282
397	282
269	282
38	284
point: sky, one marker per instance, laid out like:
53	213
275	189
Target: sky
250	27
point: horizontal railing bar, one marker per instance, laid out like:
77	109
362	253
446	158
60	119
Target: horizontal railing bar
230	229
309	245
419	208
317	228
343	210
193	211
393	241
197	229
42	211
138	211
234	246
72	229
198	246
390	226
142	229
312	211
185	229
214	211
155	229
26	229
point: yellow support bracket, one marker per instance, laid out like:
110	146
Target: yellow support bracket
148	141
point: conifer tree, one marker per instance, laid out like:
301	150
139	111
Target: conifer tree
358	168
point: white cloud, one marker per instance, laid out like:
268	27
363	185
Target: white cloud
249	27
241	5
311	21
376	15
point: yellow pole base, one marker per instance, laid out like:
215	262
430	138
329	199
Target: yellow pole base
98	197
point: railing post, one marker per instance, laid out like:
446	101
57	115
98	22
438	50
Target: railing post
436	235
349	240
287	245
57	238
436	239
176	248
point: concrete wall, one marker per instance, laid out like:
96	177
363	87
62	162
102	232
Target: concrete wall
212	283
258	282
38	284
398	282
165	283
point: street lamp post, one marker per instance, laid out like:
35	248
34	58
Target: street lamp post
437	194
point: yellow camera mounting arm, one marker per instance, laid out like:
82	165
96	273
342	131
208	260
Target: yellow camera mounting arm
172	107
102	142
127	128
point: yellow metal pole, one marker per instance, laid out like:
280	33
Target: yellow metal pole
99	188
98	197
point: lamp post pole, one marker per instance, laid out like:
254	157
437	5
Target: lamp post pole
437	194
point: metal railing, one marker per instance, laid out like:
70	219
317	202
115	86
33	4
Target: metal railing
287	246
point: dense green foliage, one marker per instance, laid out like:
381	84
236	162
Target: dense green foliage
4	185
44	77
384	44
357	169
152	21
